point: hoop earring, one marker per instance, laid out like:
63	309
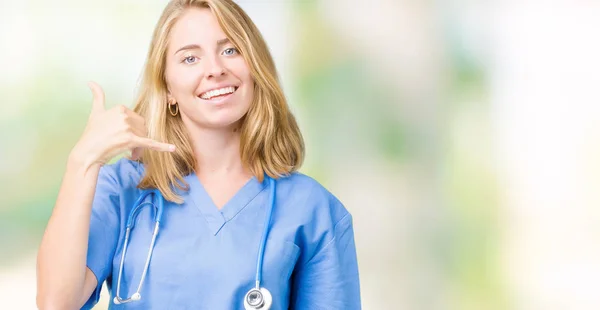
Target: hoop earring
176	109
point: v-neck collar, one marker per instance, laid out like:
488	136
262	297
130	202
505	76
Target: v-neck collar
215	218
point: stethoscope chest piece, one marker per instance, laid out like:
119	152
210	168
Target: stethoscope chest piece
258	299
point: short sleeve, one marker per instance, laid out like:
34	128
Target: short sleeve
329	280
104	230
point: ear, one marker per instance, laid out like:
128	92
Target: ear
168	89
170	98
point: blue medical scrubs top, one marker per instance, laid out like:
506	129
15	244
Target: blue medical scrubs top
205	258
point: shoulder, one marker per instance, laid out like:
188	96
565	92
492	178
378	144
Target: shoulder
116	188
122	175
310	199
316	215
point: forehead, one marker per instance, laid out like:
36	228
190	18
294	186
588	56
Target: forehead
196	25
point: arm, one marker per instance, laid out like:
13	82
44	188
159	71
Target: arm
62	253
63	281
329	280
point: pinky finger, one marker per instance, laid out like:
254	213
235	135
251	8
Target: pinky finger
154	145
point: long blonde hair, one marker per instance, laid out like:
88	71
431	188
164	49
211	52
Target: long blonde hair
271	142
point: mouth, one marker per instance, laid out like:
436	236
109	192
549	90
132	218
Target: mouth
218	94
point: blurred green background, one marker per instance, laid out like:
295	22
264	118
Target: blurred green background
462	135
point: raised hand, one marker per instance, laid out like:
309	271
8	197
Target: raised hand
109	133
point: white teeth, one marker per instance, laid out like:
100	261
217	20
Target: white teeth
216	92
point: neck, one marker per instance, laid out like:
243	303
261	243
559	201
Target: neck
217	152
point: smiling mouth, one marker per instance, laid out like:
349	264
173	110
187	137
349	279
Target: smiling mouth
218	93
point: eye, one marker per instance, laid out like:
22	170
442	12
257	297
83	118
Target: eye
189	60
230	51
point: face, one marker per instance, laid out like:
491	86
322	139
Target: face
205	73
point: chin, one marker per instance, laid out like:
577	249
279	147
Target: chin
221	121
218	117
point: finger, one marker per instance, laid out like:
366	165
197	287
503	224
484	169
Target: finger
138	123
139	131
134	116
98	99
152	144
132	119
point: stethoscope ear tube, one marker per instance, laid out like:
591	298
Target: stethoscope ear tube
139	204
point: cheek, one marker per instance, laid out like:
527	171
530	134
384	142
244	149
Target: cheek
249	92
241	70
180	81
248	81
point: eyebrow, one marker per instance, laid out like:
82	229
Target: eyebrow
196	46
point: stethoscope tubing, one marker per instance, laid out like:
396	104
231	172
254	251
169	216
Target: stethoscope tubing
265	295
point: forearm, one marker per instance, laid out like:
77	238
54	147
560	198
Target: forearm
61	264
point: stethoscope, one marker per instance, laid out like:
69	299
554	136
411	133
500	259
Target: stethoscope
257	297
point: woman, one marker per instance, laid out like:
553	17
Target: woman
212	132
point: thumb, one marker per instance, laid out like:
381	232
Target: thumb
98	100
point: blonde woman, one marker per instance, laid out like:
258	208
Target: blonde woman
209	211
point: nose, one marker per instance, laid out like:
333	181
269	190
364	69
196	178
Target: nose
214	68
